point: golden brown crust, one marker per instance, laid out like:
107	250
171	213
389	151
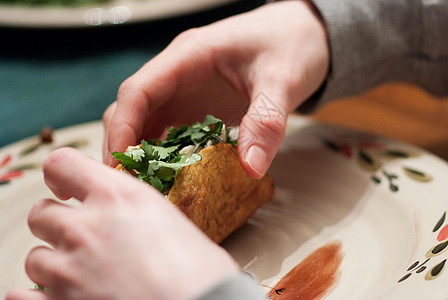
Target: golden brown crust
217	194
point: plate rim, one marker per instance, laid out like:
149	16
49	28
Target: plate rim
21	16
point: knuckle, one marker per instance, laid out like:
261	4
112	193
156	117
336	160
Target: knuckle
38	265
35	212
52	158
107	115
272	128
193	41
31	260
71	233
189	35
124	87
59	272
32	216
276	126
57	156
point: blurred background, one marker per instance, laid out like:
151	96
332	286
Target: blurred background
399	111
68	74
63	75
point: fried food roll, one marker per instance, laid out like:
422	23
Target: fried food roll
199	171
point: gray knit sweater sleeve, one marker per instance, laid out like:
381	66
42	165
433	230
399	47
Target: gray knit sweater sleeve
374	41
239	287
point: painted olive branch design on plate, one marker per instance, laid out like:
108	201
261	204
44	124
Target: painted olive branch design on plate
10	174
434	252
10	166
372	157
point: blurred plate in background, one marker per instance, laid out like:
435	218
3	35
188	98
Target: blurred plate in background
101	13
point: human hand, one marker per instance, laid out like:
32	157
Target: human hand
125	240
253	68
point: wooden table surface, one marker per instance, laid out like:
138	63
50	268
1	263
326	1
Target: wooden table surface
400	111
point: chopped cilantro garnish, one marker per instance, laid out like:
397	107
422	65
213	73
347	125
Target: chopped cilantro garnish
39	287
158	162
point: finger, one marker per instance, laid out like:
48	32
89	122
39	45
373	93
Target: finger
66	173
43	264
69	173
26	294
49	221
107	118
178	69
144	91
261	132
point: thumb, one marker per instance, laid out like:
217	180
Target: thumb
261	131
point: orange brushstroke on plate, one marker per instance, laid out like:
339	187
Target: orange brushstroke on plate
313	277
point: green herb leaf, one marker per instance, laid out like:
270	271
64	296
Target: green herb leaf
210	120
127	161
136	154
176	166
157	152
158	162
165	174
157	183
153	166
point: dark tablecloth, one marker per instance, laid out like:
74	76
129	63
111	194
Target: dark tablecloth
60	77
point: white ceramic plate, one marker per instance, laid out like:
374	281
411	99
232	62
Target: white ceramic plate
113	12
380	205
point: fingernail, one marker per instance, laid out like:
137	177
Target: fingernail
257	159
